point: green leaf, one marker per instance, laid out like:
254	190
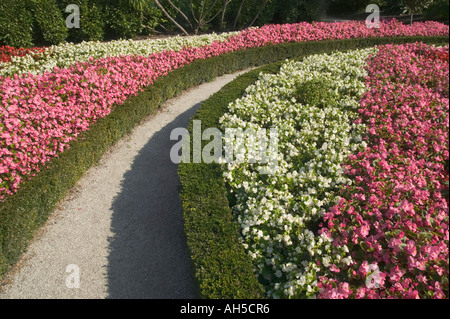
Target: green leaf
363	246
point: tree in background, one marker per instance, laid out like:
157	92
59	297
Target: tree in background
413	7
195	15
247	13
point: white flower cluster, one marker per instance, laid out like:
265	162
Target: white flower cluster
279	213
66	54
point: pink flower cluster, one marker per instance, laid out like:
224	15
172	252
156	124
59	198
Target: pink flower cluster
394	218
41	114
316	31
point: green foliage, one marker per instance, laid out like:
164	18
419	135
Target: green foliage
92	20
316	92
312	10
248	11
415	6
123	21
222	268
276	11
152	18
49	25
437	11
348	6
16	24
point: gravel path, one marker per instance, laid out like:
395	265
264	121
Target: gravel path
119	233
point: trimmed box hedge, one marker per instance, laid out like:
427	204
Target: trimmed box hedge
218	265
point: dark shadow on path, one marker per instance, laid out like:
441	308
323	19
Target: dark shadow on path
149	257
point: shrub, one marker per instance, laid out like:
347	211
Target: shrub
49	25
316	92
92	20
393	7
151	19
16	24
295	11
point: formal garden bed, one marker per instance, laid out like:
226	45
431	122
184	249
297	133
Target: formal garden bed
361	179
60	111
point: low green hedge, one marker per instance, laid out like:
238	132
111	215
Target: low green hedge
25	211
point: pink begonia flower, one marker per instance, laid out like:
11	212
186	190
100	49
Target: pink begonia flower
363	231
344	289
415	263
407	207
412	294
440	271
439	294
364	268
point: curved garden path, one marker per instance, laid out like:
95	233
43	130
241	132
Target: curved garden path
121	227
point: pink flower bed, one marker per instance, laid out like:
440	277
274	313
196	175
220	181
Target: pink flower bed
394	218
40	115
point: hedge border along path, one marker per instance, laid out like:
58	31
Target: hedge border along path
25	211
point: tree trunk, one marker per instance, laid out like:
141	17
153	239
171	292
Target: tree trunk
170	18
259	13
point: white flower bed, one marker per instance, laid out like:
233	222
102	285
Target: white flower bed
66	54
277	212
